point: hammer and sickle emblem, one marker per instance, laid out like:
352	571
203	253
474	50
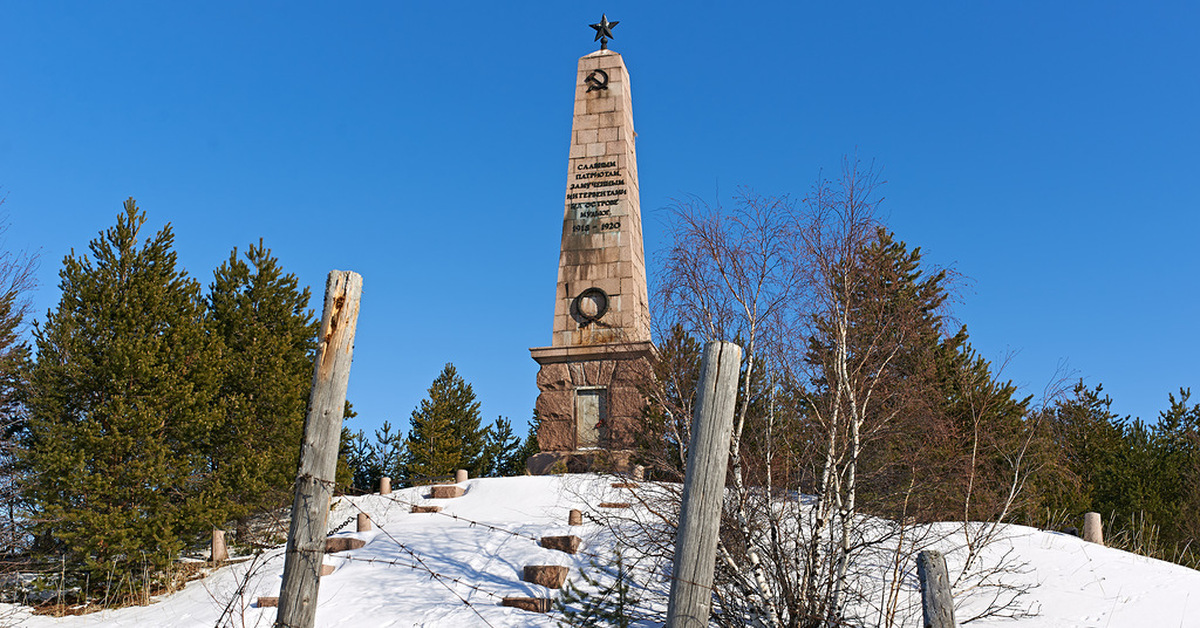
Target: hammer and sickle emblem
596	80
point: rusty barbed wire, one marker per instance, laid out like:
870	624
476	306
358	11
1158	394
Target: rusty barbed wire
352	491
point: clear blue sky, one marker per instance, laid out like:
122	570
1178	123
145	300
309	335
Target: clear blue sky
1046	151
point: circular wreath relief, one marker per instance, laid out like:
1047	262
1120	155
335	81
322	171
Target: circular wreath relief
591	304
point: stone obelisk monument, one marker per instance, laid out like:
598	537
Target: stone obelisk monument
600	352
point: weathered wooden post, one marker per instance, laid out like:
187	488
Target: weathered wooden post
318	452
363	523
937	605
460	476
575	517
704	487
1093	528
385	485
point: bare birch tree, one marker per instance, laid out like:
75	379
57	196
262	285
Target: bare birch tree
844	400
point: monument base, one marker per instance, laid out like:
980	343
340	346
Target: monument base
590	405
595	461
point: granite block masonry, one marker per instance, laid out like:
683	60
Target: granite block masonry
600	352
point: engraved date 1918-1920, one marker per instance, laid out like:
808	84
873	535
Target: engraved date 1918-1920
604	226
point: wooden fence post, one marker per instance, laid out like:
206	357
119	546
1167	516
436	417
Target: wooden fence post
318	452
937	604
704	487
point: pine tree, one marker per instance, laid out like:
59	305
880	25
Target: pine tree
368	461
16	284
1177	446
445	433
943	428
1090	441
122	407
350	450
269	334
529	447
598	604
500	450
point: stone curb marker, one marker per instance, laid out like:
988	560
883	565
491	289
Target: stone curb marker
342	544
568	544
445	492
533	604
549	576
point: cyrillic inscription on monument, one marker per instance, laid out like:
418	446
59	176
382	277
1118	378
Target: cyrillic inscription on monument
603	182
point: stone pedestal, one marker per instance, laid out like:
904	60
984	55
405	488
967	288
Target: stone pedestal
615	374
600	354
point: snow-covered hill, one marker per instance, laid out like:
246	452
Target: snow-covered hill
479	544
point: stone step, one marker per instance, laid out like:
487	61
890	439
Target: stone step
342	544
445	492
532	604
568	544
549	576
